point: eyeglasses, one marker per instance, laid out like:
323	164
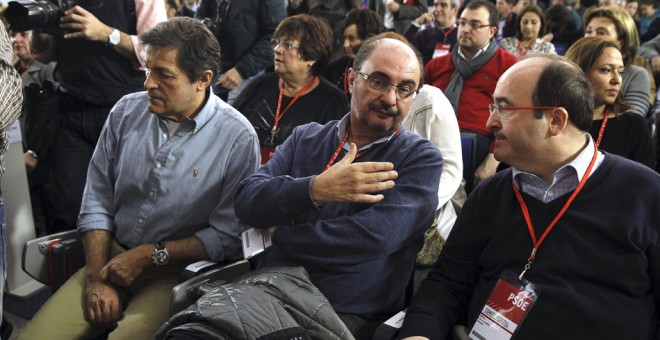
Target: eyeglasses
287	46
380	84
505	112
474	24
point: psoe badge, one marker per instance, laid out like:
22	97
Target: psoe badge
506	308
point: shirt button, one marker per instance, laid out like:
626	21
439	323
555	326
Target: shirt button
164	136
550	193
140	221
151	194
158	165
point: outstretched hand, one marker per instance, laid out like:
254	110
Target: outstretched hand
346	181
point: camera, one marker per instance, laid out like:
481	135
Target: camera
25	15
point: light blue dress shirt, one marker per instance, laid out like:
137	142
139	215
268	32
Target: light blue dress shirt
145	185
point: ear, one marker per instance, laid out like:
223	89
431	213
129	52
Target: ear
558	121
351	79
205	80
492	30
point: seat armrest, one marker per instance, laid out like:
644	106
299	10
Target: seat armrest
187	292
35	253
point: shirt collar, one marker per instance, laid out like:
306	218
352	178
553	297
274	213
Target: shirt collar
341	131
482	50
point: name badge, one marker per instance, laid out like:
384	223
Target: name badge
506	308
255	241
440	50
267	153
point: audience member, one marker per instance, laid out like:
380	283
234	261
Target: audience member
506	25
173	8
159	193
190	8
600	258
334	12
10	109
468	76
97	63
397	14
632	7
40	123
244	29
350	200
531	26
638	88
647	13
276	102
359	25
440	33
561	32
627	134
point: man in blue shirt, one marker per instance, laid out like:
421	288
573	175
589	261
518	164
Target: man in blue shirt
159	192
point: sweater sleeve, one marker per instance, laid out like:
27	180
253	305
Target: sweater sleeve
356	232
636	89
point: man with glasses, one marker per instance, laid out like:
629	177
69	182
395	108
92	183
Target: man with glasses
440	34
569	234
468	75
350	200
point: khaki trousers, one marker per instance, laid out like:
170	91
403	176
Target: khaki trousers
146	306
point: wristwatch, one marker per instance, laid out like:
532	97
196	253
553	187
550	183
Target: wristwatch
114	38
160	255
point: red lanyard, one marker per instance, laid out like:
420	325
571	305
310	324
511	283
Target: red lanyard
525	212
602	128
346	78
522	52
342	142
447	33
278	114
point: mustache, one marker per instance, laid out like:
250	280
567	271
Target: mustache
382	107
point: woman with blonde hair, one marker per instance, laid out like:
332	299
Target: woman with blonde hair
615	128
615	24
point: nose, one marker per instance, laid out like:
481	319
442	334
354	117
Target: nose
389	97
493	123
149	82
346	44
616	77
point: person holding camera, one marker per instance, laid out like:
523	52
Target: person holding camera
243	29
98	61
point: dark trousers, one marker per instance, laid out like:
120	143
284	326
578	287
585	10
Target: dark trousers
80	127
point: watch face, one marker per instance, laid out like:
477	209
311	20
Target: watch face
161	257
115	37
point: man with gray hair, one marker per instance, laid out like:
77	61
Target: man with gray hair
159	193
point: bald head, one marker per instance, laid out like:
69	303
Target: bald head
554	81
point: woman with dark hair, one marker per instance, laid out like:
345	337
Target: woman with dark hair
531	25
294	94
615	129
359	25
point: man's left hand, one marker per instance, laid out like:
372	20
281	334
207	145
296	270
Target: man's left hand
85	25
230	79
125	267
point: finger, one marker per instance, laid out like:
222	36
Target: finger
104	273
350	156
368	198
369	167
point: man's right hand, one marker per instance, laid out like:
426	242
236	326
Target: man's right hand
425	19
346	181
102	304
655	64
